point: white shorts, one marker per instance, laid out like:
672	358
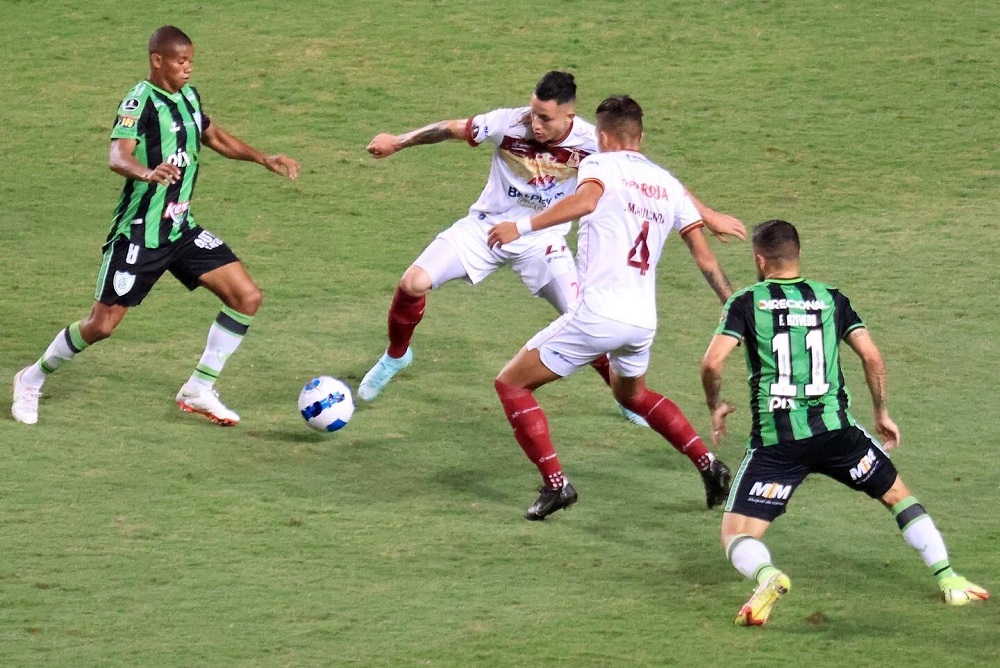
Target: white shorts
581	336
537	258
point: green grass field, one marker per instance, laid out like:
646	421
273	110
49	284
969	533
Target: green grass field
134	535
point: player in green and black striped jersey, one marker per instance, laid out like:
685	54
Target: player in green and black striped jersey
156	141
791	328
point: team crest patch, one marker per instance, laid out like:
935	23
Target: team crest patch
131	104
123	282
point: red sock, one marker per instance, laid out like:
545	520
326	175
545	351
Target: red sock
531	430
667	420
602	365
404	315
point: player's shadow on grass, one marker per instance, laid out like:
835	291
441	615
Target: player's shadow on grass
471	483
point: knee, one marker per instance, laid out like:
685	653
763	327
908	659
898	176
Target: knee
96	328
629	397
253	299
248	299
415	282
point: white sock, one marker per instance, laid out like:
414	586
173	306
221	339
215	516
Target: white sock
224	337
64	347
925	538
748	555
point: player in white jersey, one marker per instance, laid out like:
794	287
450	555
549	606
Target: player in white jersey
536	153
627	206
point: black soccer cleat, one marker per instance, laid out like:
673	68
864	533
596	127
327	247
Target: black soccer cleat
551	500
716	478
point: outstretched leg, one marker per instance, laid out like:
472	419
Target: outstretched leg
920	533
241	298
514	386
437	265
741	539
67	344
666	419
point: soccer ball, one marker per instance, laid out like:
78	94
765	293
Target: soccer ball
326	403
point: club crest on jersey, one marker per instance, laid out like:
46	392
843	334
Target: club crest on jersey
176	211
123	282
130	104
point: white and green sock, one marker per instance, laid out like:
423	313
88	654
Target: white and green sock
751	558
67	345
224	337
922	535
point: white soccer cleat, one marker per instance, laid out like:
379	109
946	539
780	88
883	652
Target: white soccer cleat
25	405
379	375
206	402
958	591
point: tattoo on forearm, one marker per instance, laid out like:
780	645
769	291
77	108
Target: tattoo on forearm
431	134
718	281
713	389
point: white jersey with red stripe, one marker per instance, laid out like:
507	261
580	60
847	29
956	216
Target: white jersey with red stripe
526	176
620	243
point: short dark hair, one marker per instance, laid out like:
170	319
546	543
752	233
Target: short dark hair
620	116
167	37
558	86
776	240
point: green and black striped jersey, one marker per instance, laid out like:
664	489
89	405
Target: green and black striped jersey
791	330
168	128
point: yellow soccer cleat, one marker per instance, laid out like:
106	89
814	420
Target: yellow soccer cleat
958	591
756	611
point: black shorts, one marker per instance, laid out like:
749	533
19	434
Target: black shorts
769	475
129	270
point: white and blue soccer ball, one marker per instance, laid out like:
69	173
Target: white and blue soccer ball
326	403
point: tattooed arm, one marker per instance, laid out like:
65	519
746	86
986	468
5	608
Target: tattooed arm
871	360
710	269
384	145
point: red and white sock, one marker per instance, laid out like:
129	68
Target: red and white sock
667	420
531	429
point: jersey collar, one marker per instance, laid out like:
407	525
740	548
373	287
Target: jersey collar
784	281
173	97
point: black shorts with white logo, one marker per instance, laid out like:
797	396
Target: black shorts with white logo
130	271
769	475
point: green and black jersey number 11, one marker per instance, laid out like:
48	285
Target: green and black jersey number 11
781	346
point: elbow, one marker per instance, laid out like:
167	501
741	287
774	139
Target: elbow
710	368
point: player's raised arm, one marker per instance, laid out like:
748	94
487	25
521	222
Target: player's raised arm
571	207
861	343
234	148
708	264
383	145
719	224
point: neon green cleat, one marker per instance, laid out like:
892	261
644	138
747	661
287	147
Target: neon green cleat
958	591
756	611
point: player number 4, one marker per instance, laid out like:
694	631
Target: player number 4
781	346
638	255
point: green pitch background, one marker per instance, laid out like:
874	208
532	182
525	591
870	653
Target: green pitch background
132	534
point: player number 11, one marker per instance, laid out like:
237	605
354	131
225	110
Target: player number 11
781	346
